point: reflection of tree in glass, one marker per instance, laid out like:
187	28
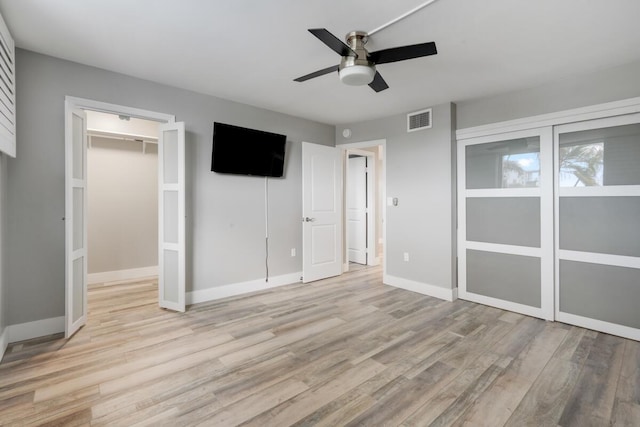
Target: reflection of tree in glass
512	173
584	162
521	171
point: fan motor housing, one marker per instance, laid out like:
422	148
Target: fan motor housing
357	70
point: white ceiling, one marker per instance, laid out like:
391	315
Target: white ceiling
251	50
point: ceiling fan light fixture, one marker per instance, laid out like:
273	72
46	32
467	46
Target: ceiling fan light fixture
357	75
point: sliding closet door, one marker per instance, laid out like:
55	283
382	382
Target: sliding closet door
598	224
505	221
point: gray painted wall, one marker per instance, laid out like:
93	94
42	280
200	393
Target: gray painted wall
420	171
608	85
225	214
123	205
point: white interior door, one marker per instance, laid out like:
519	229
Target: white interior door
321	212
75	222
357	209
171	215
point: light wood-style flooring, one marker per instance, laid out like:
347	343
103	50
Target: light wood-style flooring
342	351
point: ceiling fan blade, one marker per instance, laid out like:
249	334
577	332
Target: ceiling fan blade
404	52
333	42
378	84
317	73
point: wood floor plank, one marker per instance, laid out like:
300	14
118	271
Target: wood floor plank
125	404
341	351
445	406
626	408
249	407
496	405
306	403
395	404
179	363
546	399
103	375
591	401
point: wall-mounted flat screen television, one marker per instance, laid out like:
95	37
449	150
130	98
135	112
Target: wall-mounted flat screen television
243	151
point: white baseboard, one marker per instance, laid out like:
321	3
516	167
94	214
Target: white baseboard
4	341
132	273
421	288
39	328
234	289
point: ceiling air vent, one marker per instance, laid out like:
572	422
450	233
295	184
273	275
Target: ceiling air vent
419	120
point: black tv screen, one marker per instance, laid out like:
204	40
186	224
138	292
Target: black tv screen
243	151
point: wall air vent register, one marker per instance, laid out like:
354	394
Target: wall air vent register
419	120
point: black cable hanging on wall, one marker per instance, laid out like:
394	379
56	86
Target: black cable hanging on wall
266	227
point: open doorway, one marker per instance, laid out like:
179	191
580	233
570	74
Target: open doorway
171	264
122	198
364	190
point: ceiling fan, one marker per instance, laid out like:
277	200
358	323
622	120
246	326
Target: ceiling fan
358	67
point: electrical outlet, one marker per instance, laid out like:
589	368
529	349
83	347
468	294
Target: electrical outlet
406	257
293	251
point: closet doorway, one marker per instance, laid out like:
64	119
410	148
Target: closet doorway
122	197
171	204
548	210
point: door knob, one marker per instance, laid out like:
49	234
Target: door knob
307	219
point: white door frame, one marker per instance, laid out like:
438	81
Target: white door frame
356	148
72	103
371	204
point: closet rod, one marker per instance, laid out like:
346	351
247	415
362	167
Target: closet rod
122	136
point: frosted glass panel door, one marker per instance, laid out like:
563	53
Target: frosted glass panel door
171	204
598	224
505	221
75	222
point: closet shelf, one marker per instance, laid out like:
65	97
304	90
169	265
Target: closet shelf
143	139
122	136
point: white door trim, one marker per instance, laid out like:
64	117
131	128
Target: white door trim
598	111
105	107
72	103
371	205
355	149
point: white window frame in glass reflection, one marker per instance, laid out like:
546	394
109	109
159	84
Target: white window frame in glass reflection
521	170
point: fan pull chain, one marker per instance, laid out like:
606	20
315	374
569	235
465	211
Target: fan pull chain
401	17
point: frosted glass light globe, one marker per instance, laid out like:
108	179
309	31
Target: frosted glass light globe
357	75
